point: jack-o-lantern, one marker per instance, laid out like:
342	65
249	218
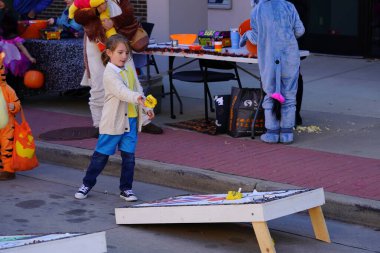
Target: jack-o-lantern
245	26
34	79
25	147
3	104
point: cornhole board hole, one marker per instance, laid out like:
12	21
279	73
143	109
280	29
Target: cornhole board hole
57	243
255	207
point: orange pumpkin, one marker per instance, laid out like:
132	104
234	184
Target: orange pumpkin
34	79
245	26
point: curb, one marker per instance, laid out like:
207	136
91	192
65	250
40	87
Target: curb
338	206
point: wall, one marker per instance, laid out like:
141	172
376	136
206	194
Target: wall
219	19
175	16
57	6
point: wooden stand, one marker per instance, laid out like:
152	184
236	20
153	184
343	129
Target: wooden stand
214	209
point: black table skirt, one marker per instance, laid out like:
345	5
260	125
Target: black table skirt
61	61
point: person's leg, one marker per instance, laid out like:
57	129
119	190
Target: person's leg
6	149
105	147
97	164
96	68
299	100
127	170
127	146
288	109
272	124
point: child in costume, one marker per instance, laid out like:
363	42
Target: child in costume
9	106
17	59
121	118
85	4
70	27
275	28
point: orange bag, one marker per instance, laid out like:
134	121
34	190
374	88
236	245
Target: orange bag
24	148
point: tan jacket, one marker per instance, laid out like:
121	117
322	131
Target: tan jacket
117	95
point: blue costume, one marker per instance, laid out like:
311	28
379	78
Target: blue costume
64	20
275	28
70	27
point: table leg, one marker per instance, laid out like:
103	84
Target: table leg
319	224
263	237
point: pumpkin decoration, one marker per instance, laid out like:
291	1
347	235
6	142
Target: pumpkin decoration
34	79
245	26
25	147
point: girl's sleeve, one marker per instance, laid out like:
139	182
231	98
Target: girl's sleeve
252	36
299	29
119	89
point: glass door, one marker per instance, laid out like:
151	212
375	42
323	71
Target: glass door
332	26
375	29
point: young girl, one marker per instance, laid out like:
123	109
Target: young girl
12	106
121	118
17	60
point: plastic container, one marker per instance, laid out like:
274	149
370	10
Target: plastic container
218	46
30	29
184	38
235	38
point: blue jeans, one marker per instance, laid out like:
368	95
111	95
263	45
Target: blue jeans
99	161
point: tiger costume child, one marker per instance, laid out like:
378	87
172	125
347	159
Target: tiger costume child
10	107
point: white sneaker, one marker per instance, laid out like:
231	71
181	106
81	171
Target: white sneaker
128	195
82	192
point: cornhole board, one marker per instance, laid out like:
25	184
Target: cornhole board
57	243
255	207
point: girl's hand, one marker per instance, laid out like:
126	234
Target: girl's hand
11	106
141	100
102	8
50	21
150	114
33	60
107	24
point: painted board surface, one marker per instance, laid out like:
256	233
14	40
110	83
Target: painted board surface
254	197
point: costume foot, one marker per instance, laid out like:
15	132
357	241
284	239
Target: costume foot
271	136
5	175
286	136
151	129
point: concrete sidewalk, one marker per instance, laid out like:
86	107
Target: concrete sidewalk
341	97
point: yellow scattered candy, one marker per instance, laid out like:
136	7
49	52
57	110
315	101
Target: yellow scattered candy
150	101
232	195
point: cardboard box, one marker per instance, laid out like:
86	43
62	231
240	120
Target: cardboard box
207	37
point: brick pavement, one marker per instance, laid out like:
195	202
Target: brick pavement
342	174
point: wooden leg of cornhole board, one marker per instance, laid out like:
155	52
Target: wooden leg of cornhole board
263	237
319	224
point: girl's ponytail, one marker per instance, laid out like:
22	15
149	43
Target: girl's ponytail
105	58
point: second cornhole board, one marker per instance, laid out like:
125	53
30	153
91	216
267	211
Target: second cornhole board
57	243
255	207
